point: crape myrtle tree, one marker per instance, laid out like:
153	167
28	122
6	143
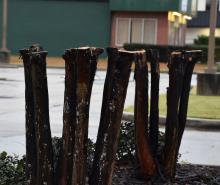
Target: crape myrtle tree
152	161
80	69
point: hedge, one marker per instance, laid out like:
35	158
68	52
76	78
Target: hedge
204	48
165	50
204	40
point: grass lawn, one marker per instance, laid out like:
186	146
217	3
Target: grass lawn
207	107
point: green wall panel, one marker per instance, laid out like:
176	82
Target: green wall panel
144	5
0	24
57	25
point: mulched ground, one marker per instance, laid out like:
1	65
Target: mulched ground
187	174
102	64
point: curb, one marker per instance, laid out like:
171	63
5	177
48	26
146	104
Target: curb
194	123
5	65
21	65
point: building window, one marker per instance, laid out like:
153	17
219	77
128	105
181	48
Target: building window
122	30
184	5
150	31
201	6
136	30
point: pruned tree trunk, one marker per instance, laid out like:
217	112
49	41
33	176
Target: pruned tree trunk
45	170
31	150
190	59
80	72
86	62
154	101
143	151
176	72
115	89
65	164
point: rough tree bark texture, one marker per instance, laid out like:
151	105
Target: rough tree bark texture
86	62
154	101
177	106
190	59
176	71
42	125
115	89
80	72
64	171
143	151
31	152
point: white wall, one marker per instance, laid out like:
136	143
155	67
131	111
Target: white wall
192	33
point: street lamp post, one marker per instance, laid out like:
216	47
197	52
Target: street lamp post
208	82
4	52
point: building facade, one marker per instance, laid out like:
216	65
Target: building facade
150	22
60	24
199	25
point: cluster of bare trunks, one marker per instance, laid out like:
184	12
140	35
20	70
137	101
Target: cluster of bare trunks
80	69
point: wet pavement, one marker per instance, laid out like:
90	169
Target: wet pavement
198	147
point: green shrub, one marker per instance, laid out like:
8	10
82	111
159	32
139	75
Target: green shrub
57	145
201	40
126	146
204	40
90	155
12	170
218	67
165	50
204	49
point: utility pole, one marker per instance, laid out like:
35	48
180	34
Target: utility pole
211	46
4	52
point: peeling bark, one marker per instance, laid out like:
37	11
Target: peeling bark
86	62
154	101
143	151
190	59
42	124
80	72
31	151
65	165
115	89
181	70
176	72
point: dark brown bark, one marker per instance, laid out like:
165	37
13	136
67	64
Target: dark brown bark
42	125
176	71
80	71
64	171
115	89
154	101
31	152
190	59
143	151
86	62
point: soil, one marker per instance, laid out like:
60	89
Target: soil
187	174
